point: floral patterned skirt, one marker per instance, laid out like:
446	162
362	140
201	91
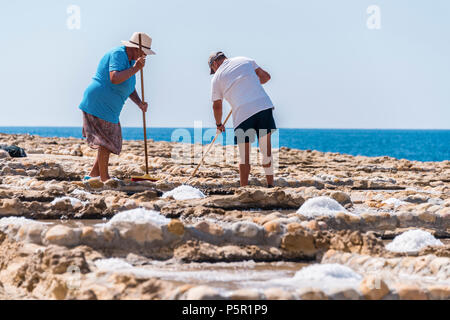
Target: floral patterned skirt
103	133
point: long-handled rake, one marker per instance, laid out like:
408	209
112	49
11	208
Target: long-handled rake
146	176
207	151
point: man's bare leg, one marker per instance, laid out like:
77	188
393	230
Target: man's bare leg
265	146
244	165
103	161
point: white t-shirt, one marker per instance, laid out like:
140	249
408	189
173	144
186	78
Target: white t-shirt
237	82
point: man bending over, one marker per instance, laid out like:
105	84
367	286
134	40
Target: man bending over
239	80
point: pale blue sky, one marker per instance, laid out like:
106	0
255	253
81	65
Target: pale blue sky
328	69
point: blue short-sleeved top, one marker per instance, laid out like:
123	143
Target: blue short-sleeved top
102	98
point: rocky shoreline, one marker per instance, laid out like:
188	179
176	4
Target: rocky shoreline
366	227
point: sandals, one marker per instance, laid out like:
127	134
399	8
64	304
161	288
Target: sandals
86	178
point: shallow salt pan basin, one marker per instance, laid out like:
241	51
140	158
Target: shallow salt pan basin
230	276
74	223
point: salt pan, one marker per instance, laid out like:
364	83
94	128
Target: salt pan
231	272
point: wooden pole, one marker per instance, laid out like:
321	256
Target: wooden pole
209	148
143	113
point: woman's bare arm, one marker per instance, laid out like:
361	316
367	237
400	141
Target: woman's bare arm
117	77
136	99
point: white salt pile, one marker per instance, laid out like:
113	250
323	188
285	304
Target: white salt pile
326	277
436	201
19	221
413	241
184	193
422	190
79	192
16	222
73	201
112	264
139	215
325	177
321	206
396	202
327	273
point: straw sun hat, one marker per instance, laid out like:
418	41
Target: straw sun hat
146	42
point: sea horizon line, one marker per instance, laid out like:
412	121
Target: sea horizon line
290	128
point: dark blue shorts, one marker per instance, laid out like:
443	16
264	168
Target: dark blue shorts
257	125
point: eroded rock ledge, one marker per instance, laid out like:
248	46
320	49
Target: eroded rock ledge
375	200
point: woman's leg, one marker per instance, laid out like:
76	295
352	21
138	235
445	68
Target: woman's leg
95	172
244	164
103	160
265	146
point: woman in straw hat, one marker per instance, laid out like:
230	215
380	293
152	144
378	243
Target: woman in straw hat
103	100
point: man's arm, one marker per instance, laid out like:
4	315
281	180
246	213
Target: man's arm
217	107
263	75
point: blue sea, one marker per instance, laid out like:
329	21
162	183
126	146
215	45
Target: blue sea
421	145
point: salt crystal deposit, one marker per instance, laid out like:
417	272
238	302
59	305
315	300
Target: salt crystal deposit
395	202
229	272
413	241
325	177
320	206
79	192
327	272
184	192
17	221
139	215
73	201
112	264
323	277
